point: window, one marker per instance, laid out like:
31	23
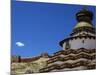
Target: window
82	41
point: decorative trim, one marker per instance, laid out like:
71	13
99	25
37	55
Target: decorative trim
74	51
68	65
72	57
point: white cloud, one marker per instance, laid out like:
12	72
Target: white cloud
20	44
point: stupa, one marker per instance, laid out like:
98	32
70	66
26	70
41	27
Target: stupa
79	49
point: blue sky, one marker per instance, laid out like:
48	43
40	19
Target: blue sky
39	27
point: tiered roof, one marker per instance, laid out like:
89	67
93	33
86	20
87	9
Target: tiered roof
71	59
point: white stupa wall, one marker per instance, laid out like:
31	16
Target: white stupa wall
78	43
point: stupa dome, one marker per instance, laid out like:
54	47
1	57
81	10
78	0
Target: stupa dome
84	15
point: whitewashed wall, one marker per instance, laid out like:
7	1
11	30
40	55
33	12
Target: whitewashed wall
77	43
